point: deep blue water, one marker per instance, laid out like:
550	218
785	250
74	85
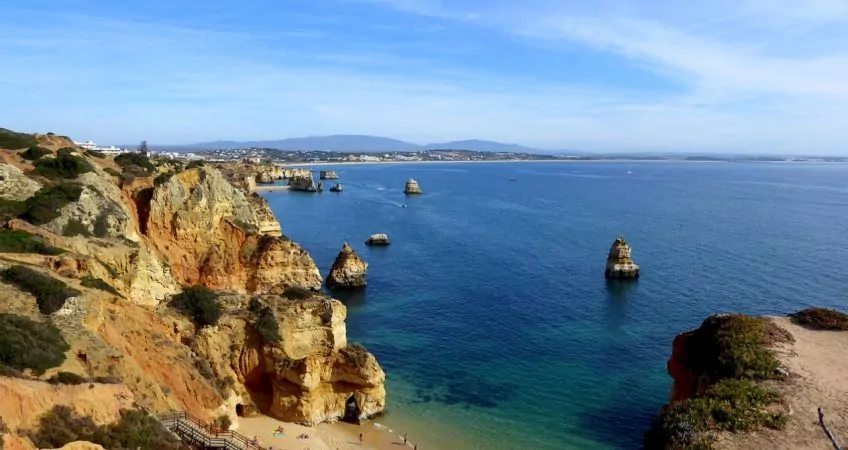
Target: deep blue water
490	312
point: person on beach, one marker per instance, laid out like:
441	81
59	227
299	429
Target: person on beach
361	438
404	438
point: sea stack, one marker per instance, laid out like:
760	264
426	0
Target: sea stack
378	239
336	188
265	178
328	175
348	270
619	264
301	180
411	187
320	186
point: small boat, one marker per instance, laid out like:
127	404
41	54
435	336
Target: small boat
512	179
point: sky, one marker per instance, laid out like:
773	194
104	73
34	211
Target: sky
747	76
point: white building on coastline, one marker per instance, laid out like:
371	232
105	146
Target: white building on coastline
91	145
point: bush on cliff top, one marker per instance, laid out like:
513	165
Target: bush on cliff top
265	321
27	344
14	141
732	351
44	206
67	378
9	209
200	304
95	154
64	165
35	152
136	430
134	159
17	241
821	319
49	292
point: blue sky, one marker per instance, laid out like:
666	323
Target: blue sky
763	76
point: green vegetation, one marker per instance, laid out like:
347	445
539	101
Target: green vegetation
297	293
14	141
14	241
223	422
35	152
732	351
200	304
265	321
44	206
95	154
821	319
67	378
163	178
9	209
126	160
193	164
75	228
27	344
112	172
65	165
101	225
49	292
97	283
136	430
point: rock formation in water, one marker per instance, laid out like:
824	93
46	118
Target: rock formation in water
337	188
378	239
619	264
411	187
328	175
348	270
320	187
301	180
265	178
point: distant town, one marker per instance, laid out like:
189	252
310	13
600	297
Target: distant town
271	155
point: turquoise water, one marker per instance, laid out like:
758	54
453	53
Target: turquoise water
490	312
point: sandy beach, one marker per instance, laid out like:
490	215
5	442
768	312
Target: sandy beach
336	436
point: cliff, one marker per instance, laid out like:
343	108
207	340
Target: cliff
348	270
301	180
619	262
742	382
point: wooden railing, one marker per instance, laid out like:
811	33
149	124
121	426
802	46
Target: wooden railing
194	431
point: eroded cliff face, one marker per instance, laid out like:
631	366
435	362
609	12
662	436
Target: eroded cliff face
209	232
311	376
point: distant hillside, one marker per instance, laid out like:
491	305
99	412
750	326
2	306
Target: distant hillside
477	145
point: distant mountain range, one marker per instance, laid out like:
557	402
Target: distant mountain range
354	143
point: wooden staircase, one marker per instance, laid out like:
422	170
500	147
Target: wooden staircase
200	434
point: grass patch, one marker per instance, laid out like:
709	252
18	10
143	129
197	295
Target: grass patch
15	241
75	228
200	304
112	172
35	152
67	378
821	319
136	430
65	165
49	292
195	163
97	283
163	178
126	160
732	351
44	206
14	141
27	344
9	209
95	154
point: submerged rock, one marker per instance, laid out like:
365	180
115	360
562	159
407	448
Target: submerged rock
411	187
348	270
328	175
336	188
619	264
378	239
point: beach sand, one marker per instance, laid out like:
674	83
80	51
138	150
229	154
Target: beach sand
335	436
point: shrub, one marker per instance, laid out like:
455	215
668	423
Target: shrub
108	379
10	209
136	429
15	241
135	159
200	304
297	293
193	164
75	228
223	422
35	152
6	371
64	165
97	283
821	319
27	344
67	378
14	141
44	206
163	178
266	324
101	225
112	172
95	154
49	292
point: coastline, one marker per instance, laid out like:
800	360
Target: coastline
521	161
325	436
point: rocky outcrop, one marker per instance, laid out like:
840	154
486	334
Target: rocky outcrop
311	376
268	223
411	187
378	239
14	185
348	270
337	188
328	175
265	178
301	180
619	265
320	187
210	233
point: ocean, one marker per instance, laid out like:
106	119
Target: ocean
490	312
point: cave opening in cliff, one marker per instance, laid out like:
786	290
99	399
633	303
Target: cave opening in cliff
260	387
142	200
351	411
